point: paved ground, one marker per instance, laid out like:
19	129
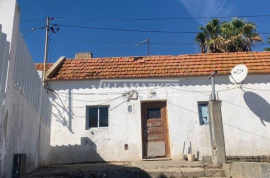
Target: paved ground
143	169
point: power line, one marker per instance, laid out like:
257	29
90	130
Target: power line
134	30
121	42
129	43
151	19
32	20
33	29
128	30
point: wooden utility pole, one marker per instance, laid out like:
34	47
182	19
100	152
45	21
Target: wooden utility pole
46	48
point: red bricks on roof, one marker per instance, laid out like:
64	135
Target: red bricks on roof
161	66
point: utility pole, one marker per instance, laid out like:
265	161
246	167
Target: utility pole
216	126
212	77
147	41
46	48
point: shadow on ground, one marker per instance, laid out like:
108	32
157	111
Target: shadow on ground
68	161
97	170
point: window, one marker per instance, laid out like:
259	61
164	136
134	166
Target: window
153	113
97	116
203	113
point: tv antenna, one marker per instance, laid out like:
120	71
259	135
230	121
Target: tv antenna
146	41
238	74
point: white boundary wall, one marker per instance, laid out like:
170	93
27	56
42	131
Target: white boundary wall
25	108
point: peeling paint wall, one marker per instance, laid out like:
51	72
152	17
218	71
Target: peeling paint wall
245	117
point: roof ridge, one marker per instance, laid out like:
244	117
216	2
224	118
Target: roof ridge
160	65
179	55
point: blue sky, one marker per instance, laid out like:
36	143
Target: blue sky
83	9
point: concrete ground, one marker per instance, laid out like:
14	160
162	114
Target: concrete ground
143	169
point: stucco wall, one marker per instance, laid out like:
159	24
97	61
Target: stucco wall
21	128
44	143
245	118
24	131
9	16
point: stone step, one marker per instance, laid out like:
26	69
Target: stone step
166	164
185	172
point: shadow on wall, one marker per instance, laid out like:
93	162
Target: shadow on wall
86	153
62	110
83	153
258	105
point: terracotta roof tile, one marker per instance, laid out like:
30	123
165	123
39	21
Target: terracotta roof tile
160	66
41	66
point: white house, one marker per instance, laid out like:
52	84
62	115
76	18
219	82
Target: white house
134	108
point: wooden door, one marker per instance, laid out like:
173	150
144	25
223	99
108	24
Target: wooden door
154	130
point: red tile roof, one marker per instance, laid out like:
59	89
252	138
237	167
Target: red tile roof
40	66
161	66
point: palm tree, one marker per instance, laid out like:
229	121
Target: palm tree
200	39
239	36
234	36
207	36
267	49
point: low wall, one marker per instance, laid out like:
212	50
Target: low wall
248	170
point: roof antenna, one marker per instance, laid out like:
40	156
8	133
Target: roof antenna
238	74
148	45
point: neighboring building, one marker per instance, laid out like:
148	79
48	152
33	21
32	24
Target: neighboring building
131	108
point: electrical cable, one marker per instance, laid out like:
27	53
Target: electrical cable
135	30
203	91
138	90
33	29
151	19
127	30
107	93
112	99
119	42
256	89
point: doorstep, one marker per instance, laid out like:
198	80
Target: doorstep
157	159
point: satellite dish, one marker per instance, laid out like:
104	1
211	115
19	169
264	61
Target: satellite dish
238	73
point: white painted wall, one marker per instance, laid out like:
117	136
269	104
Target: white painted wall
22	129
245	133
9	16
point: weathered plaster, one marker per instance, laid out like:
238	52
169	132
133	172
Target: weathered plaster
244	132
